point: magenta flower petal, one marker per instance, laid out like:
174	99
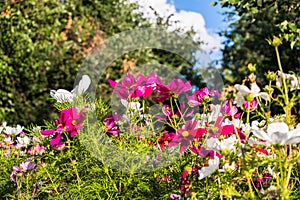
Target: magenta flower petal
112	83
148	92
47	132
227	129
56	139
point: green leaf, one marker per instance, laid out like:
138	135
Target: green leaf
259	3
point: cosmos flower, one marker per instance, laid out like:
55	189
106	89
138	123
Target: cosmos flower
213	165
251	106
22	168
62	95
187	134
70	121
202	96
243	91
111	124
175	87
22	142
131	88
278	133
291	78
230	110
13	130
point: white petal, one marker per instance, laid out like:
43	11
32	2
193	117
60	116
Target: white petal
263	95
294	82
243	89
212	144
279	137
254	125
262	135
228	144
213	165
61	95
83	84
254	88
277	127
240	99
293	140
124	102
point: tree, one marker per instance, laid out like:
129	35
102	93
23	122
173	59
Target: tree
43	44
255	21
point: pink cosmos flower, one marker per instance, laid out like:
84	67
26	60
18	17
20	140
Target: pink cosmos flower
131	88
251	106
165	139
187	134
8	141
175	196
36	149
173	89
69	121
230	110
218	129
175	112
24	166
201	151
202	95
111	125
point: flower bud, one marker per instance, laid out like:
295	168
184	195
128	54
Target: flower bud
249	97
275	42
206	99
252	68
271	76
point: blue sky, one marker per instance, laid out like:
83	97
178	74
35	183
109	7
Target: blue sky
199	15
212	14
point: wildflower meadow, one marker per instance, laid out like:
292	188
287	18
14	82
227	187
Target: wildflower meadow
119	99
238	143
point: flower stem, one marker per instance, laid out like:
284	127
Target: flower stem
286	96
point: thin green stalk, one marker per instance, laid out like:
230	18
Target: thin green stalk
250	188
70	157
51	179
286	97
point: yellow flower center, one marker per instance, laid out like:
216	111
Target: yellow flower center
185	133
188	168
73	122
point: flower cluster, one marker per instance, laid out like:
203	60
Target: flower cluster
14	137
237	138
210	134
67	125
22	169
205	137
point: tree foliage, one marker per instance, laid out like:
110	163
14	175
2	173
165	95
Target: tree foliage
43	44
252	22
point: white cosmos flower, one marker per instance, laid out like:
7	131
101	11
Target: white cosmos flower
62	95
228	144
23	142
220	145
228	167
213	165
216	112
13	130
294	83
244	90
212	144
278	133
133	106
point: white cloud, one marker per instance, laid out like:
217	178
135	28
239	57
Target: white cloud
186	21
